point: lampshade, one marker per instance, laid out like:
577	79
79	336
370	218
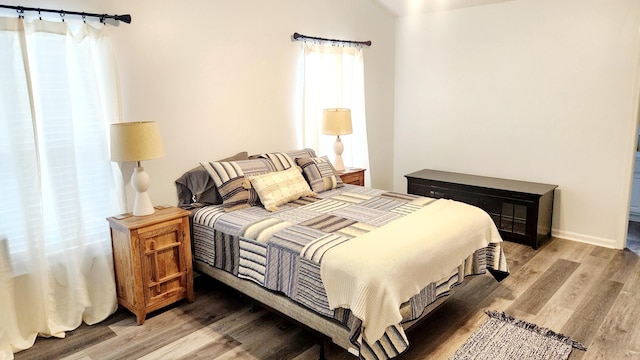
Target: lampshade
135	141
336	121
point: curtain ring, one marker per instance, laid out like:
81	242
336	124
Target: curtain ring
39	15
102	20
62	14
20	12
84	18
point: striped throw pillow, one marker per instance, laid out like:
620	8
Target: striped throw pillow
229	177
285	160
320	174
278	188
301	153
281	161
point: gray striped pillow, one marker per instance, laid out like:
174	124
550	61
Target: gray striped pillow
285	160
302	153
319	173
229	178
281	161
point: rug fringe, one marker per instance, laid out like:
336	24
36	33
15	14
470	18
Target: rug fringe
535	328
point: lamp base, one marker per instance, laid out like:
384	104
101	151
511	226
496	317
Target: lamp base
338	147
140	182
338	164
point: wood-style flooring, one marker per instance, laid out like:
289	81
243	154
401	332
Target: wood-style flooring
589	293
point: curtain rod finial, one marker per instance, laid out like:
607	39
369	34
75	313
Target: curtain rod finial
126	18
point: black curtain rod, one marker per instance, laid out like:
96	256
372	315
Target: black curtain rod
21	9
301	37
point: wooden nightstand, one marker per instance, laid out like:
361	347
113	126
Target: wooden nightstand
353	176
152	259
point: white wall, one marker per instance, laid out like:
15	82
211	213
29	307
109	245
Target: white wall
536	90
222	76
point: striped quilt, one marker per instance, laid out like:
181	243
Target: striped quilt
283	250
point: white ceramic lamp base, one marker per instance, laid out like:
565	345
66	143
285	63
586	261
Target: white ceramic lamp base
338	148
140	182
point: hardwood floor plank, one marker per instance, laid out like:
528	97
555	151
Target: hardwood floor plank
517	255
293	345
252	339
551	316
632	283
572	292
619	335
77	356
210	350
525	276
589	315
309	354
603	252
580	251
284	347
625	265
233	324
200	338
476	290
564	302
539	293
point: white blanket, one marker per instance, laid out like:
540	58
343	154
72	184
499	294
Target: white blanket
373	274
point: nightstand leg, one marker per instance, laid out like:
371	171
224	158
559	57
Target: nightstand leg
141	317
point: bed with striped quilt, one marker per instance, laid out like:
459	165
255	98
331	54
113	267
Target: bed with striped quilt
283	252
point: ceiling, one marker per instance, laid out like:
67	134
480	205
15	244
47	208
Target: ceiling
414	7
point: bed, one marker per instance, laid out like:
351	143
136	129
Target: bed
356	264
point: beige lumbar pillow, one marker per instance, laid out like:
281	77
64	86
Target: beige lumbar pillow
281	187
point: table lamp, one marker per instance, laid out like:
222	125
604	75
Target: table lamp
137	141
337	121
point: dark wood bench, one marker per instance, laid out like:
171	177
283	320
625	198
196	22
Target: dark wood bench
522	210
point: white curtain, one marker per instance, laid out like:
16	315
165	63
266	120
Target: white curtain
334	78
57	96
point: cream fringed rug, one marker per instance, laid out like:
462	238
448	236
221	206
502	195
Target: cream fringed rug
504	337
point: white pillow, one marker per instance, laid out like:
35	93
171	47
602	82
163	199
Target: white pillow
281	187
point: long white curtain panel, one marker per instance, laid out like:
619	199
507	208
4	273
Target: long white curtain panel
57	98
334	78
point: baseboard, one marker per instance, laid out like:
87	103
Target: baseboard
593	240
